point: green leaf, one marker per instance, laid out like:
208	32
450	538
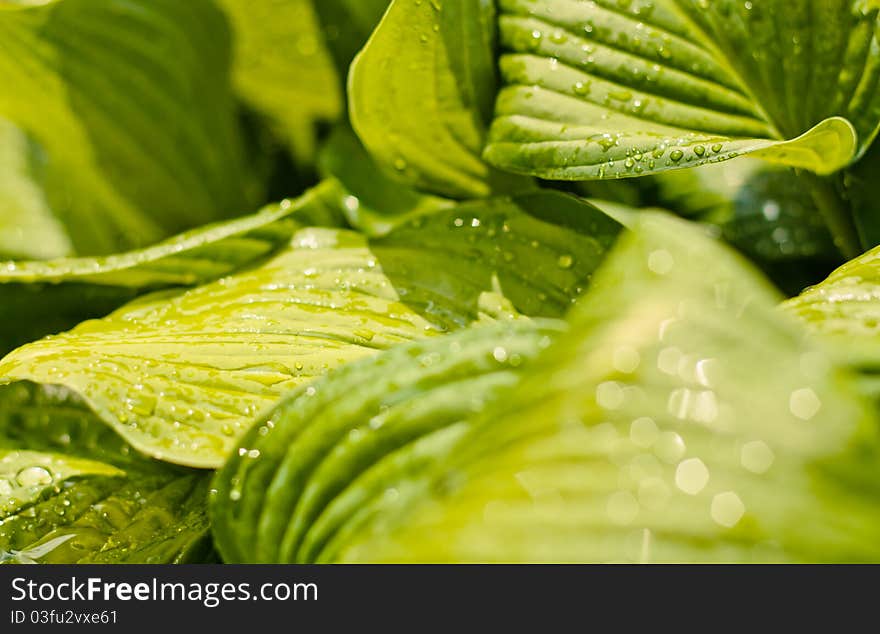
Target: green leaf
81	288
283	69
27	227
79	494
424	119
763	210
26	475
602	89
376	203
681	418
347	25
181	375
130	104
862	190
845	311
326	460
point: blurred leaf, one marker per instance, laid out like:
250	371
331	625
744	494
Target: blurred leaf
27	227
347	24
129	103
845	310
765	211
283	68
681	418
861	186
376	203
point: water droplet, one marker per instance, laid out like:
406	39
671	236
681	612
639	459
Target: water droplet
661	262
565	261
609	395
669	447
676	155
34	476
626	359
500	354
727	509
771	210
643	432
804	403
668	360
691	476
756	456
351	203
622	507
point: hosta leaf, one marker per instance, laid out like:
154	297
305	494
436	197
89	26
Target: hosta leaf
81	288
862	190
26	475
763	210
130	102
181	375
603	89
326	459
424	119
282	68
27	227
376	203
680	418
79	494
346	25
845	310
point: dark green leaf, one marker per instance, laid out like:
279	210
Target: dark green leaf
377	203
346	25
79	494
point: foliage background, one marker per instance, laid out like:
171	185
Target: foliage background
438	280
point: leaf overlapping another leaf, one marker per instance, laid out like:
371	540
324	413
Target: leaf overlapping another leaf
425	120
629	439
72	491
327	459
83	288
845	311
181	375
